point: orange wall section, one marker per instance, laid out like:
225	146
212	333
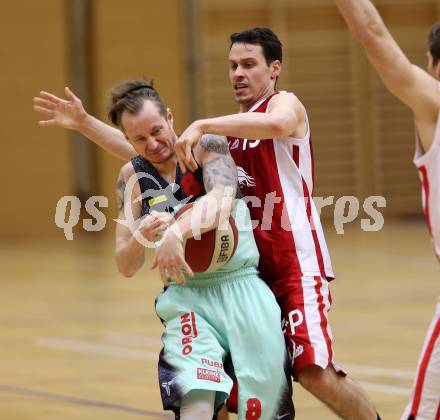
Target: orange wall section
35	164
138	38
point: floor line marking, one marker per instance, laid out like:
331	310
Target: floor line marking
132	339
388	389
102	349
138	354
379	371
81	401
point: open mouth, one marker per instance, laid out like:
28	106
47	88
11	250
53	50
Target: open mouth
239	87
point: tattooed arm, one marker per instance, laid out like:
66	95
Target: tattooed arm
208	212
219	169
134	235
220	181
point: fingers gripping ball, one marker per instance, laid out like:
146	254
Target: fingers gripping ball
213	249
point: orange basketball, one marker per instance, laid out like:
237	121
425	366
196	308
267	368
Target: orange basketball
213	249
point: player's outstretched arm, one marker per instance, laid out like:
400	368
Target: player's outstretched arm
284	116
70	113
412	85
220	181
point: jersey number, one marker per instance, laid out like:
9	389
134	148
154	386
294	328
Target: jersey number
253	409
252	143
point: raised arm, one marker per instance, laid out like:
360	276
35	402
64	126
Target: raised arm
412	85
285	117
70	113
220	181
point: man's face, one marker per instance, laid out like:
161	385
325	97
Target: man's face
250	76
150	133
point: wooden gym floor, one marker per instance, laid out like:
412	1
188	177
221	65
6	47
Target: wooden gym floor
81	342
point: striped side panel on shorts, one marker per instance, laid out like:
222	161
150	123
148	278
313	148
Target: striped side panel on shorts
423	368
316	314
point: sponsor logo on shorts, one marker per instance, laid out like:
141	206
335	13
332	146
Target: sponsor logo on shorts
296	351
208	375
299	350
167	386
212	363
295	319
189	331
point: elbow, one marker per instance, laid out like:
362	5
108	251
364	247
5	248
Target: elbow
124	268
371	32
126	272
281	127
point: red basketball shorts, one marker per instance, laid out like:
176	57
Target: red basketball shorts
305	303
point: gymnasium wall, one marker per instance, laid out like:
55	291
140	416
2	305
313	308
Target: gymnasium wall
363	137
35	164
134	39
127	40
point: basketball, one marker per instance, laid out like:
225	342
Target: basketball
213	249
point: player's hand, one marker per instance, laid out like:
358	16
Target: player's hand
170	260
165	217
67	113
184	146
154	225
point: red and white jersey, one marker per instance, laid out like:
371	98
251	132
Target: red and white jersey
428	164
276	178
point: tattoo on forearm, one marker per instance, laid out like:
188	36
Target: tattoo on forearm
213	143
120	191
220	172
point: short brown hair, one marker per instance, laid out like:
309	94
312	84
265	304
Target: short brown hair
434	42
130	96
265	37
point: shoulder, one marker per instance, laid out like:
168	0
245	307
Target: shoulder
283	97
126	171
286	100
125	179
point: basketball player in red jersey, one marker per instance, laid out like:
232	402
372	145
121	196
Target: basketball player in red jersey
294	257
270	142
420	90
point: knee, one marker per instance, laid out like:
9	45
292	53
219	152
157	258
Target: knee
198	405
317	381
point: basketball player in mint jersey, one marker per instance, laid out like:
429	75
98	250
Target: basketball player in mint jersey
155	170
420	90
207	315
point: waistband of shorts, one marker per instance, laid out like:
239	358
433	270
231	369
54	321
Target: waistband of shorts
224	277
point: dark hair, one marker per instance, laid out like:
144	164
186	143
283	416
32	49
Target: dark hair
434	42
272	47
130	96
